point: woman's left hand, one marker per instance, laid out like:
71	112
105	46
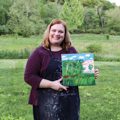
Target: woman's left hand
96	73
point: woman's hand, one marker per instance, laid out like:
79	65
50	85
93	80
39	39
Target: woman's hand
56	85
96	73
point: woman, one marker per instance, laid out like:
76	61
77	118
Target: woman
50	99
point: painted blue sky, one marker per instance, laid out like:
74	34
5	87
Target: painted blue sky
77	56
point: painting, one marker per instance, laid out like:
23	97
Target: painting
78	69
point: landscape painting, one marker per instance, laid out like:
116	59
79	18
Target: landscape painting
78	69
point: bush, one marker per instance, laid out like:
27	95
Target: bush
94	48
106	58
112	32
96	31
25	18
107	36
3	29
23	54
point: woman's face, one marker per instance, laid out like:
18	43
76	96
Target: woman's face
56	34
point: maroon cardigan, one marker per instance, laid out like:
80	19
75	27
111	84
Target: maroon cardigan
35	68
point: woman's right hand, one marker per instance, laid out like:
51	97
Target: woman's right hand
56	85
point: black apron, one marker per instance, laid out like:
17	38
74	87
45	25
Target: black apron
56	105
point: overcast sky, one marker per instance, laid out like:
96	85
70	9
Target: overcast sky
117	2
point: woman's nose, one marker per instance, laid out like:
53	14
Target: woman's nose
56	33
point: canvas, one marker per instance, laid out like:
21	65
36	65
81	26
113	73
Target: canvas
78	69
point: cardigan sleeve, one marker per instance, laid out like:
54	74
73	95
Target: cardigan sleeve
32	70
72	50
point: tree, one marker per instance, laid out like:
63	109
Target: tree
90	18
72	13
49	11
108	5
90	3
25	18
113	19
94	15
4	9
100	13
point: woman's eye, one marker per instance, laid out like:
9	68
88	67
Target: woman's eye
60	31
53	30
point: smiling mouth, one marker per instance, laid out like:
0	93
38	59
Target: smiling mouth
56	38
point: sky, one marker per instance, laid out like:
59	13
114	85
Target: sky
117	2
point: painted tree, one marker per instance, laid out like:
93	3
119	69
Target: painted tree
72	13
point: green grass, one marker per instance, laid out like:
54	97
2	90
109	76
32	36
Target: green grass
13	91
110	48
100	102
10	42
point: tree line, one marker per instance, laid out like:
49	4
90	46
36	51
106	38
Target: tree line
28	17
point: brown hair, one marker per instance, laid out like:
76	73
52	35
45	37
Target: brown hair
66	42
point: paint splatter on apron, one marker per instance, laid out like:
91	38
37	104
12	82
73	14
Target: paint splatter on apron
56	105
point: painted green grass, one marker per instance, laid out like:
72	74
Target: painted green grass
100	102
73	75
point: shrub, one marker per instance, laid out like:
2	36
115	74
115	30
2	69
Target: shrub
96	31
94	48
5	54
3	29
112	32
107	36
106	58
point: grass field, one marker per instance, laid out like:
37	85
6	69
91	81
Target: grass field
100	102
17	43
13	91
110	48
